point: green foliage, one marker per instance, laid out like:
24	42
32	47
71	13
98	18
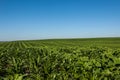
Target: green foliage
40	60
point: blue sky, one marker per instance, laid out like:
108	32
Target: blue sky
42	19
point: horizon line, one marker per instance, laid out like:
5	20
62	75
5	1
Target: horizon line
56	38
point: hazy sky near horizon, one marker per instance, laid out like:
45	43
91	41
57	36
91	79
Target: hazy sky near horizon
41	19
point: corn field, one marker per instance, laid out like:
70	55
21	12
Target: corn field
65	59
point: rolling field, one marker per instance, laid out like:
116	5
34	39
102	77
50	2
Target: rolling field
61	59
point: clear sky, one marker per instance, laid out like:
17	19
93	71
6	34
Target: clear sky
41	19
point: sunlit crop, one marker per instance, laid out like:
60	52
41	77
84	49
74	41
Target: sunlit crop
59	60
